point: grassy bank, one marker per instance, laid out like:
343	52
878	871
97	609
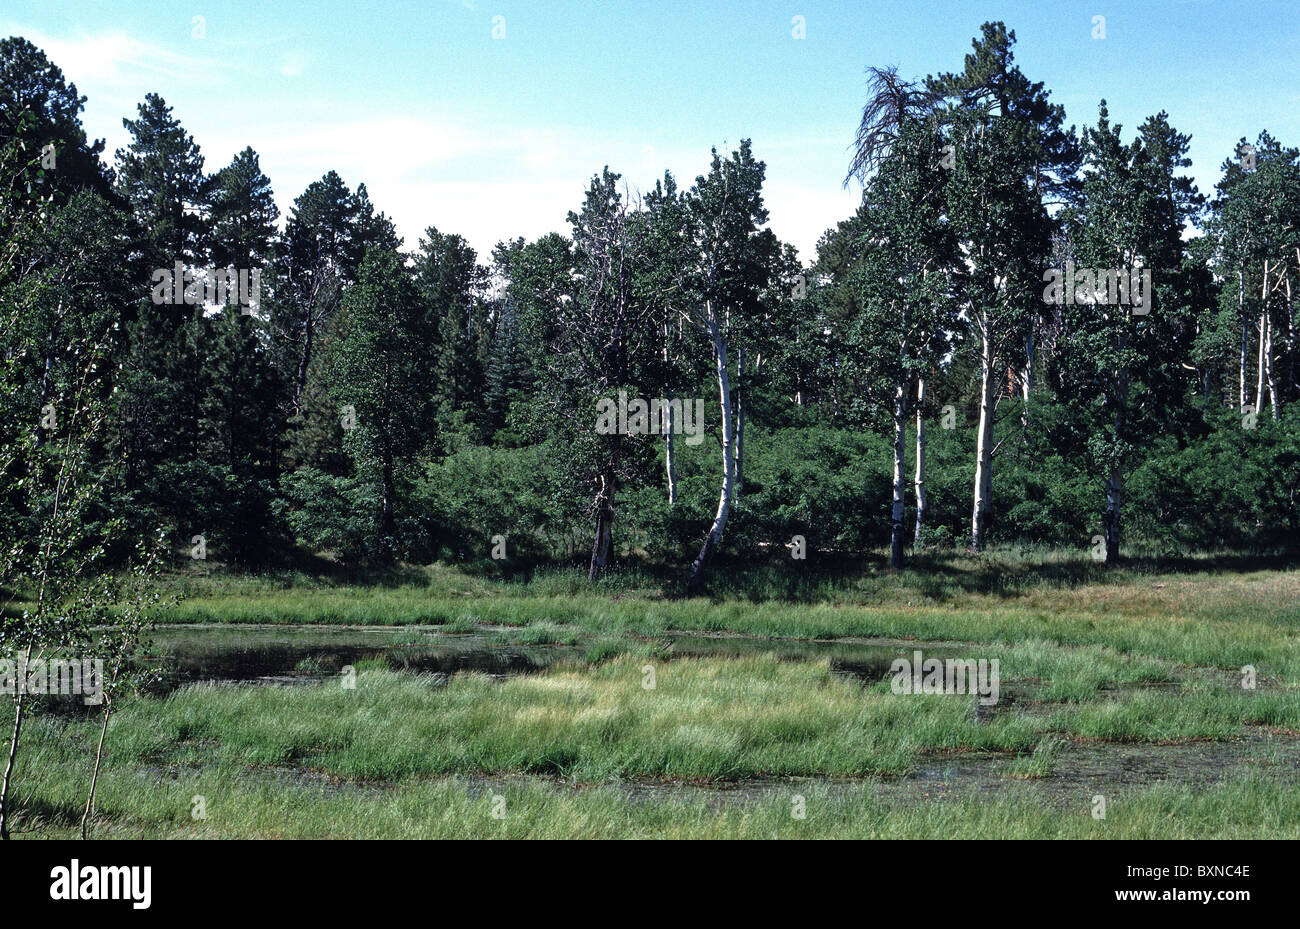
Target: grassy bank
634	733
419	751
136	806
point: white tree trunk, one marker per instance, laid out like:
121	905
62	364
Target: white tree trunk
900	479
1262	361
983	447
740	419
669	464
1027	378
1115	480
921	500
1268	366
714	538
1290	333
1241	368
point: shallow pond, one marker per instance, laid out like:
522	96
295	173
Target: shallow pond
303	654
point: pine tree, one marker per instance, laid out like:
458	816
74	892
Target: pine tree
457	328
243	214
327	236
160	174
378	368
39	109
1011	156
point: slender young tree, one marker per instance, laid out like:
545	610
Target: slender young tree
664	228
901	286
732	261
52	542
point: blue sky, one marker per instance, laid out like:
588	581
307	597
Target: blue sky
497	137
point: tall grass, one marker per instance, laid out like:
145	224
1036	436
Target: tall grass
705	719
139	805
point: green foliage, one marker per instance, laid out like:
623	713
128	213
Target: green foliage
328	513
376	371
479	492
231	507
472	391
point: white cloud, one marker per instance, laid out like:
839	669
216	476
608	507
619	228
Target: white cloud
463	172
292	64
490	182
113	59
800	213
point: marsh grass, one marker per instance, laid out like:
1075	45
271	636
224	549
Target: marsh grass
711	719
1134	656
138	804
1040	763
540	633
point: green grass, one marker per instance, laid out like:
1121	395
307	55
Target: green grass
1040	764
542	633
1211	618
704	719
135	805
1087	657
